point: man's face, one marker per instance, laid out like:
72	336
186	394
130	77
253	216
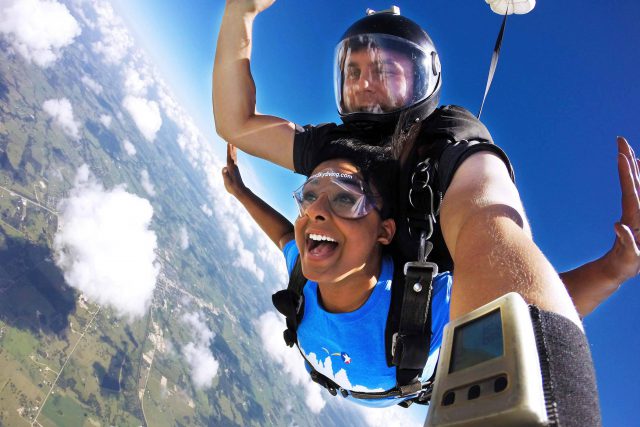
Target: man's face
376	80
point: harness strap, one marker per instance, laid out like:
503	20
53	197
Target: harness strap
290	303
411	339
423	391
410	345
325	382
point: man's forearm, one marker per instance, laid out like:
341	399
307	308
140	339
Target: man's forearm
494	256
486	231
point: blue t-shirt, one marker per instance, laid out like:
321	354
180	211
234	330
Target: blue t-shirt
349	348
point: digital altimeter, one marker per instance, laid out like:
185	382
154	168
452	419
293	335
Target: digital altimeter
489	370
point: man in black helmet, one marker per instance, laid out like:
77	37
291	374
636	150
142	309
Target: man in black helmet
386	64
388	78
375	87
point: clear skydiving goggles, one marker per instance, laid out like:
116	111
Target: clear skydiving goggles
348	196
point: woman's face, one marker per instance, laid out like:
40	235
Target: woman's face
333	248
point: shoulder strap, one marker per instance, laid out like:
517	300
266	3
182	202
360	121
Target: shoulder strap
408	333
290	303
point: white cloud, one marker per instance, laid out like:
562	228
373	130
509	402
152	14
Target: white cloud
182	141
269	256
204	367
136	84
146	183
198	327
247	260
105	247
145	114
207	210
92	84
76	5
389	417
105	119
62	113
38	29
393	416
270	327
116	42
184	238
129	148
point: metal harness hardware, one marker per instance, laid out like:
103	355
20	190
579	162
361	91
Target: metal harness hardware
424	215
422	201
408	350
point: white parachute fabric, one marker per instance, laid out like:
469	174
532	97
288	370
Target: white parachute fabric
519	7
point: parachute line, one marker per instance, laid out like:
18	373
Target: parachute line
494	60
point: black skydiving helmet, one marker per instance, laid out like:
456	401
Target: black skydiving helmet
384	65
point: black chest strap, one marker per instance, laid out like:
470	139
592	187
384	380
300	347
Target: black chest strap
411	341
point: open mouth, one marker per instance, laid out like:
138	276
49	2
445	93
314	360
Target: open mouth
320	246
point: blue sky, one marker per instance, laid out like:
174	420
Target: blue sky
564	89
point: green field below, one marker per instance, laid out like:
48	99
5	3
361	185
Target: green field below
62	411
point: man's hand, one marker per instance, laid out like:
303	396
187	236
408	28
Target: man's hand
231	174
624	257
251	6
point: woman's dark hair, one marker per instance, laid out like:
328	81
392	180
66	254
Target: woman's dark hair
377	164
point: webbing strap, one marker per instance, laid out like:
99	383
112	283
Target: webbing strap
411	343
422	391
494	60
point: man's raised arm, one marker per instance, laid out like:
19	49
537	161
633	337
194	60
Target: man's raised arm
487	233
234	92
485	229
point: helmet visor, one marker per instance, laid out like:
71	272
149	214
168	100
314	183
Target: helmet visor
346	194
380	73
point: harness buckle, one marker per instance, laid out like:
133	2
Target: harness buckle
425	394
422	265
425	247
411	388
394	340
